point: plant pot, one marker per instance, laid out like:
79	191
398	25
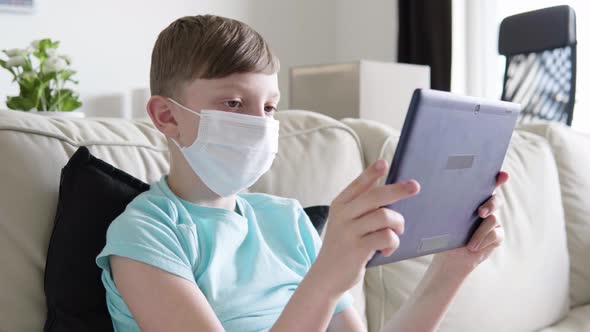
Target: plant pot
67	115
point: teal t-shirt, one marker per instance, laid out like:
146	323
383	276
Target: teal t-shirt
247	264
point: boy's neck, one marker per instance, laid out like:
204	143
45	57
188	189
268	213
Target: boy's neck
184	183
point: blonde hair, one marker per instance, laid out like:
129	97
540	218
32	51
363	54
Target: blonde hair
206	46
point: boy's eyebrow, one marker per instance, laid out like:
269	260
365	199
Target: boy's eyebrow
245	87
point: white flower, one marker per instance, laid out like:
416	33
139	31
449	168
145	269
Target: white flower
35	43
54	64
15	52
15	61
51	52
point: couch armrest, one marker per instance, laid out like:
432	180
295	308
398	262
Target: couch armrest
377	140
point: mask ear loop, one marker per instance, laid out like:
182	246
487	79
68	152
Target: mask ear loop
186	109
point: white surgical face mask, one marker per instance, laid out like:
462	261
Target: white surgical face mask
232	151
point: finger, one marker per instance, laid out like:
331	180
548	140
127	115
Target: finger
380	219
381	196
363	182
482	231
490	206
501	178
384	240
493	239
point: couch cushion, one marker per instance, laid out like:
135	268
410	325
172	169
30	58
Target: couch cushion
317	158
321	156
577	320
34	149
572	154
378	140
529	271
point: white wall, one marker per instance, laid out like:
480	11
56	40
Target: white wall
309	32
111	41
300	32
366	30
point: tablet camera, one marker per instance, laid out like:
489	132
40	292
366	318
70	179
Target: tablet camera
476	111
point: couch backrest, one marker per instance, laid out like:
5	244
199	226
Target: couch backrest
317	157
572	154
524	285
34	149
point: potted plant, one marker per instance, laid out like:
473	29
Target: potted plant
42	75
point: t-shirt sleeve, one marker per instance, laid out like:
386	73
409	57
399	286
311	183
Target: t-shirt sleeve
312	244
146	233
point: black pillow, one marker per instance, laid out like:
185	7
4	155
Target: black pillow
91	194
318	216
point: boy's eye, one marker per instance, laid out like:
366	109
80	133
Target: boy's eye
270	109
233	104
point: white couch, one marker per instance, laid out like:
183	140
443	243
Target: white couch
539	280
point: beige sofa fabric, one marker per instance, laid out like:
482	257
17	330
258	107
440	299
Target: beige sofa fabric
524	285
34	149
572	154
577	320
317	157
378	140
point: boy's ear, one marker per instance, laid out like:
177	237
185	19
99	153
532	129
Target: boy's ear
160	111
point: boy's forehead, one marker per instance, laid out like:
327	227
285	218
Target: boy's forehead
247	82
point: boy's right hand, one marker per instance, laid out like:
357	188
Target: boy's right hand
359	226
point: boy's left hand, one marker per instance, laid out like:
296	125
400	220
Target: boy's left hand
486	238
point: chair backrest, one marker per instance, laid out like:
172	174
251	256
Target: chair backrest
540	74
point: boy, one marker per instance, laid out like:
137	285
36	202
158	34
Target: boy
191	254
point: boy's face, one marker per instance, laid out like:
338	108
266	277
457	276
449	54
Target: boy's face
254	94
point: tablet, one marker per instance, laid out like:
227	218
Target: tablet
454	146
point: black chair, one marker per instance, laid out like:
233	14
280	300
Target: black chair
540	74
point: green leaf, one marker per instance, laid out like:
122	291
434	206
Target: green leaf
66	74
28	66
69	104
27	87
20	103
41	55
58	98
46	77
45	44
40	89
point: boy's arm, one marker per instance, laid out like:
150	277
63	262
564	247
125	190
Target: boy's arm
425	308
161	301
310	307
